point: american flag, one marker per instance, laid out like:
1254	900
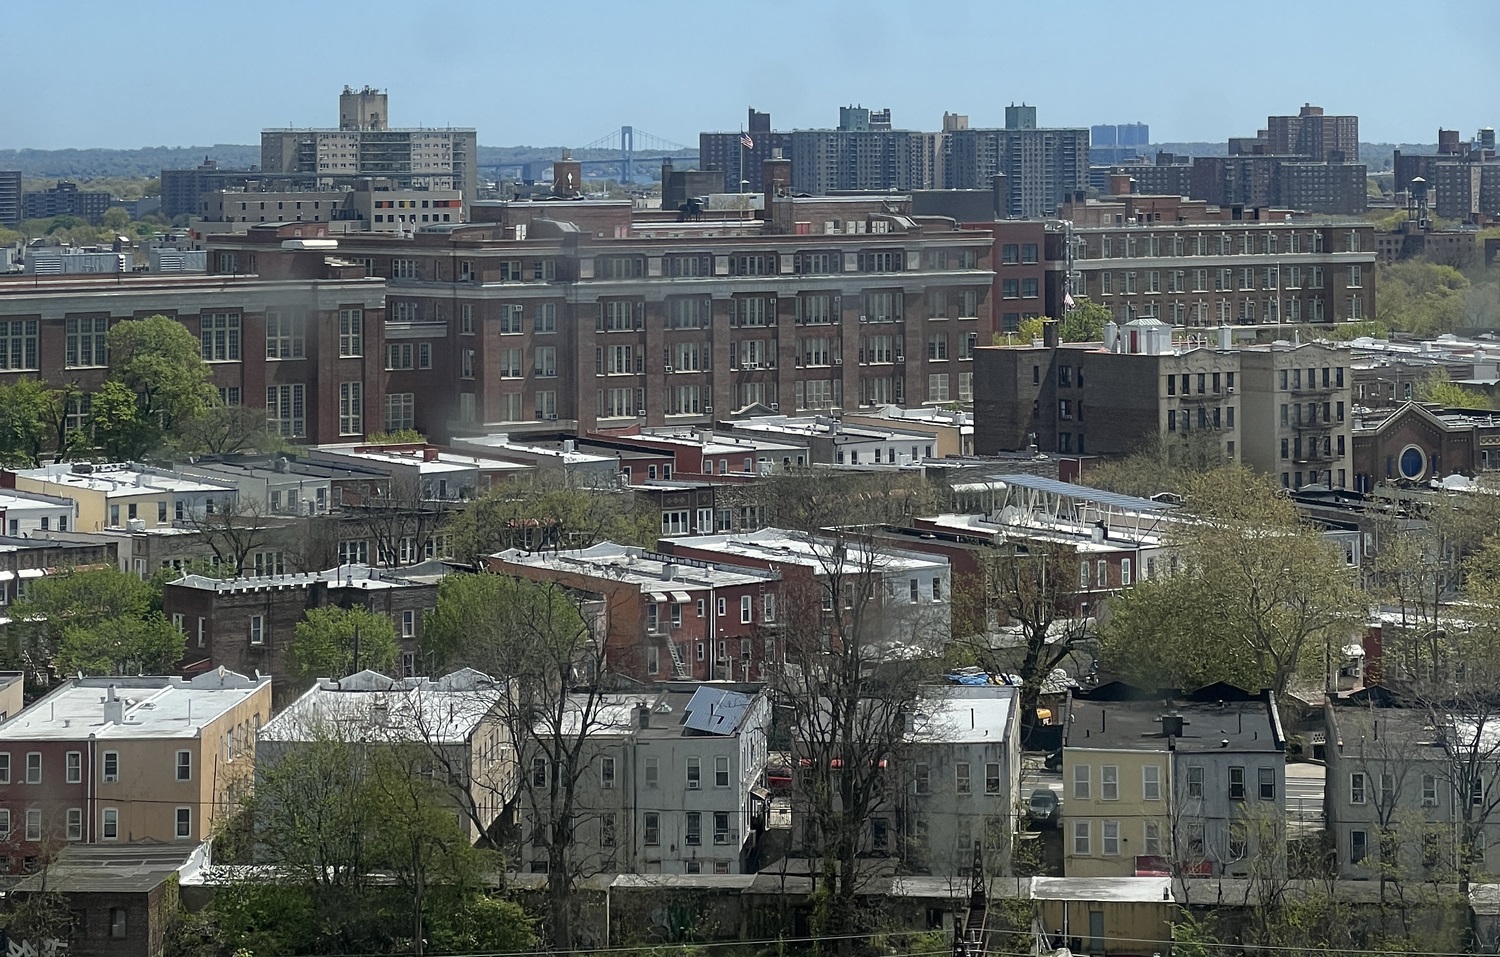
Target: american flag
746	141
1068	300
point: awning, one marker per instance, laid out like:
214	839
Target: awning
658	597
760	794
681	597
6	576
32	573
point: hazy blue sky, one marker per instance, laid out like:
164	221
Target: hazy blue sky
193	73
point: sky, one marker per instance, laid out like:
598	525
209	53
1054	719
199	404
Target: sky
175	73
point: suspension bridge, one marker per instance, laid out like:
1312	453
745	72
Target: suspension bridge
627	141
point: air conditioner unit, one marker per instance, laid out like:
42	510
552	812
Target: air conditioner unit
640	413
864	318
1230	390
900	357
708	410
838	361
770	363
694	785
552	416
775	406
666	368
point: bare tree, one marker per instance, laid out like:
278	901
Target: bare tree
403	520
235	531
1034	588
556	706
853	664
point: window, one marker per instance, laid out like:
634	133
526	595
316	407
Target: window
1265	779
961	777
1151	839
85	345
34	767
220	335
74	766
18	339
1150	783
606	830
1109	839
1195	782
351	408
111	767
1236	784
4	824
33	824
1359	845
693	832
651	829
286	413
922	778
992	777
538	772
184	765
694	772
1109	783
1429	790
721	771
747	608
285	336
653	771
258	629
1357	788
1081	782
721	827
184	822
1082	839
109	827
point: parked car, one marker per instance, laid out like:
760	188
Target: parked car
1044	807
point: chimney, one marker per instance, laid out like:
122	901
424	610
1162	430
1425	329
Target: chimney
775	177
429	454
1120	184
643	716
668	571
114	707
1171	725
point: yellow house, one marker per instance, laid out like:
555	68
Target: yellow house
1116	807
126	759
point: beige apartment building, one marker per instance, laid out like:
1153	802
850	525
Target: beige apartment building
127	759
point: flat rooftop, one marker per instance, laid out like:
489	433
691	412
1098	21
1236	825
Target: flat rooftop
155	707
779	545
1137	725
655	574
122	481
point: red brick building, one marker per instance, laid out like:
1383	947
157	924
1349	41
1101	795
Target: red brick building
668	617
584	314
311	349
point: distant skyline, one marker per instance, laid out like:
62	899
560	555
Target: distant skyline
177	73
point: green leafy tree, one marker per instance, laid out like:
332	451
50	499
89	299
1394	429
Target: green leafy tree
1084	322
160	363
550	516
1032	329
324	644
1259	598
1420	297
1436	387
115	218
122	646
74	601
27	410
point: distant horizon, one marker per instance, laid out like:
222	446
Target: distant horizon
674	68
